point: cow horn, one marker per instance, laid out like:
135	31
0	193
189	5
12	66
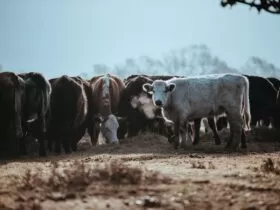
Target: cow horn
121	118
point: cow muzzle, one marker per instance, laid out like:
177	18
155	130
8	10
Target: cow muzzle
158	103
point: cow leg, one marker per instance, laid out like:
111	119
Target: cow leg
42	149
212	125
93	131
122	130
134	128
22	142
74	140
186	135
266	122
177	134
58	144
254	121
49	144
197	123
74	146
162	129
22	146
51	138
170	134
90	132
66	144
243	139
235	131
253	124
42	137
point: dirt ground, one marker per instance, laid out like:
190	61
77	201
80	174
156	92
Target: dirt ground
145	172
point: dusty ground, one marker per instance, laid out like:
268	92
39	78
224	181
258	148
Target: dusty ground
147	173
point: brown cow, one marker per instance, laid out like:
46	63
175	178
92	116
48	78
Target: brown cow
69	109
11	102
107	90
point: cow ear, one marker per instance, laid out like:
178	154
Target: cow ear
98	118
171	87
147	87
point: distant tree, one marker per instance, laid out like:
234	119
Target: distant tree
270	6
99	69
261	67
84	75
1	68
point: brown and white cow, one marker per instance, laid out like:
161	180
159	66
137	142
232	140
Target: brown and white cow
107	90
11	97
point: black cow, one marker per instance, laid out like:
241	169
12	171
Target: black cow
262	95
87	123
275	82
68	112
35	107
11	97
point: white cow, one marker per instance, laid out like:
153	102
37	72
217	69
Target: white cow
185	99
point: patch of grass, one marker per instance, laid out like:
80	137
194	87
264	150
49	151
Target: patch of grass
78	176
202	165
270	166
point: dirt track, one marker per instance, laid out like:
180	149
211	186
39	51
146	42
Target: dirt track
203	177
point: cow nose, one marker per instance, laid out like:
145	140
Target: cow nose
158	102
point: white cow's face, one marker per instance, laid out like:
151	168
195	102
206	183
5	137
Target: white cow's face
109	129
144	104
160	90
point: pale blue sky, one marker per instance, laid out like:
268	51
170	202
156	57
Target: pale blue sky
69	36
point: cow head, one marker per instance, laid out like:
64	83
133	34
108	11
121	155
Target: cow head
160	90
109	127
144	103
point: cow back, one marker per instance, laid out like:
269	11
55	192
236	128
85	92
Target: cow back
68	101
116	87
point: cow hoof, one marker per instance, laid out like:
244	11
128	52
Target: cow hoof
42	154
68	152
217	142
195	143
231	149
74	148
184	146
171	139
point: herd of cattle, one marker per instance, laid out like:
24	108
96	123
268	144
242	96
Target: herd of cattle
58	112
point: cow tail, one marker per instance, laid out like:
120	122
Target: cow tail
247	112
82	111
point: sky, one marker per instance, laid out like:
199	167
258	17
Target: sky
58	37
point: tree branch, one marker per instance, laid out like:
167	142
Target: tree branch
270	6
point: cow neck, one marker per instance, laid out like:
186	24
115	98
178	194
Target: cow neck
168	105
105	110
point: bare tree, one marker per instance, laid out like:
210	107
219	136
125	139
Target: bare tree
270	6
